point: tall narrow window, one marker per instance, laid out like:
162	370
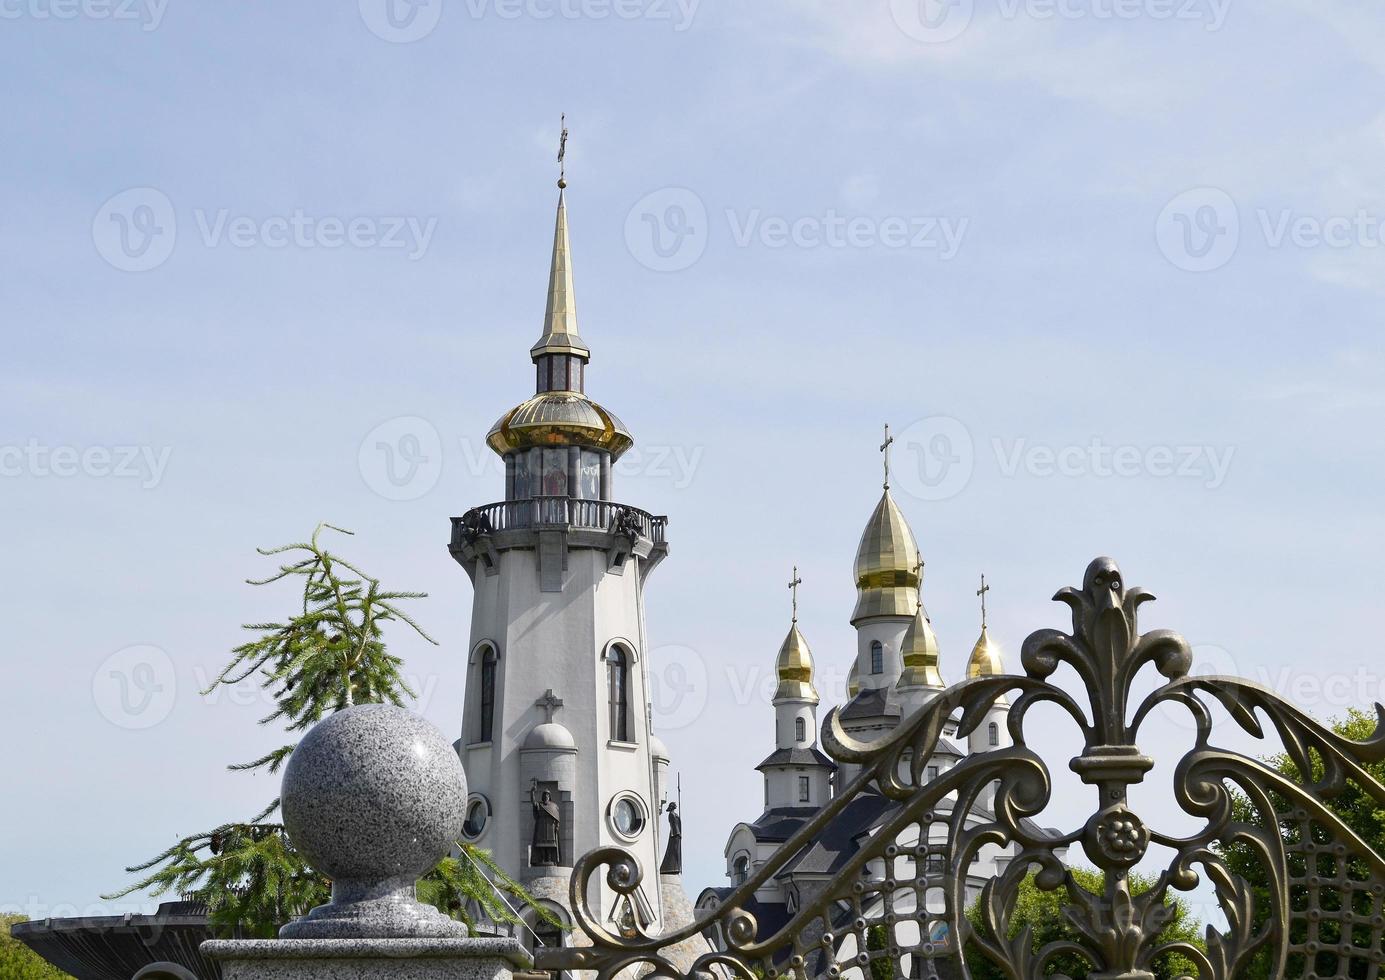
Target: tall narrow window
487	695
800	730
995	734
877	658
618	667
740	869
805	789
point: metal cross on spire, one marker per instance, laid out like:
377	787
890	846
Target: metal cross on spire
550	703
885	448
982	593
793	587
918	574
562	154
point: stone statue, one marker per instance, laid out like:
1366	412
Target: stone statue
673	854
545	852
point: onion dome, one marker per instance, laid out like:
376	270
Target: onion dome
919	650
985	658
559	418
794	666
549	737
887	565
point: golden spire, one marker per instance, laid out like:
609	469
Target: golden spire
560	334
985	660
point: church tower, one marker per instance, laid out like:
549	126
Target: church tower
797	773
556	735
887	572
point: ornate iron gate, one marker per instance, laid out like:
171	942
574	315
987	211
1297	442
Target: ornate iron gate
899	908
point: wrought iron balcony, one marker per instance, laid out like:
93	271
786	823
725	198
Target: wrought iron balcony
548	513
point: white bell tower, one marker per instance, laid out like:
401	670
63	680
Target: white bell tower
556	737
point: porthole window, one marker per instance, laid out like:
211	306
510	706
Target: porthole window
627	816
478	815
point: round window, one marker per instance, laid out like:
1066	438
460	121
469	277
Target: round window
627	816
478	814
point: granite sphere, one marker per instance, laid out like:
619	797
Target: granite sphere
372	794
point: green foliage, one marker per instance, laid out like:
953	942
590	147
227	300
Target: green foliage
877	939
328	656
19	962
1043	912
1353	806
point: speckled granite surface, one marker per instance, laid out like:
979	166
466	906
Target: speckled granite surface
374	797
367	959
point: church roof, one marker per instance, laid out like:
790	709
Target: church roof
797	757
873	702
985	660
559	418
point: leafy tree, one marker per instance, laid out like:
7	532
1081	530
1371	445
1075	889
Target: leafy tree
19	962
1043	912
328	656
1353	806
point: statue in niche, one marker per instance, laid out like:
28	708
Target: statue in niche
545	850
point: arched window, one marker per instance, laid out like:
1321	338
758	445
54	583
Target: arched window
995	734
618	671
487	695
877	658
800	730
740	869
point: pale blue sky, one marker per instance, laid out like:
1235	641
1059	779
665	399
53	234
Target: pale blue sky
1085	158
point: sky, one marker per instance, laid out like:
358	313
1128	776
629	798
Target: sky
1112	271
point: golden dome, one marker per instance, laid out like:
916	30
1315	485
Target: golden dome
887	565
985	658
853	681
794	665
559	418
920	653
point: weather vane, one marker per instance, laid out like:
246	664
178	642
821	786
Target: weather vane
982	593
793	587
562	154
885	448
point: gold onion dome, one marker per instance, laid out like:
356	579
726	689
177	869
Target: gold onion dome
559	418
985	658
794	666
919	650
887	565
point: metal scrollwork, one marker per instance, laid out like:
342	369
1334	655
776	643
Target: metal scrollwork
902	898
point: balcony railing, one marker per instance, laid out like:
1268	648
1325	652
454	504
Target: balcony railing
557	512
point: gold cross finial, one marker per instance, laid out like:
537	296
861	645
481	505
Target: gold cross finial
885	448
982	593
793	587
562	154
918	574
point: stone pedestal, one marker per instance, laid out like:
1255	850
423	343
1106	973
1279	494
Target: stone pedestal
367	959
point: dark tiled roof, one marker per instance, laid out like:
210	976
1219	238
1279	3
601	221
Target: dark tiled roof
870	703
780	823
797	757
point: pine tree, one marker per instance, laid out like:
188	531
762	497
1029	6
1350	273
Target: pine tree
328	656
